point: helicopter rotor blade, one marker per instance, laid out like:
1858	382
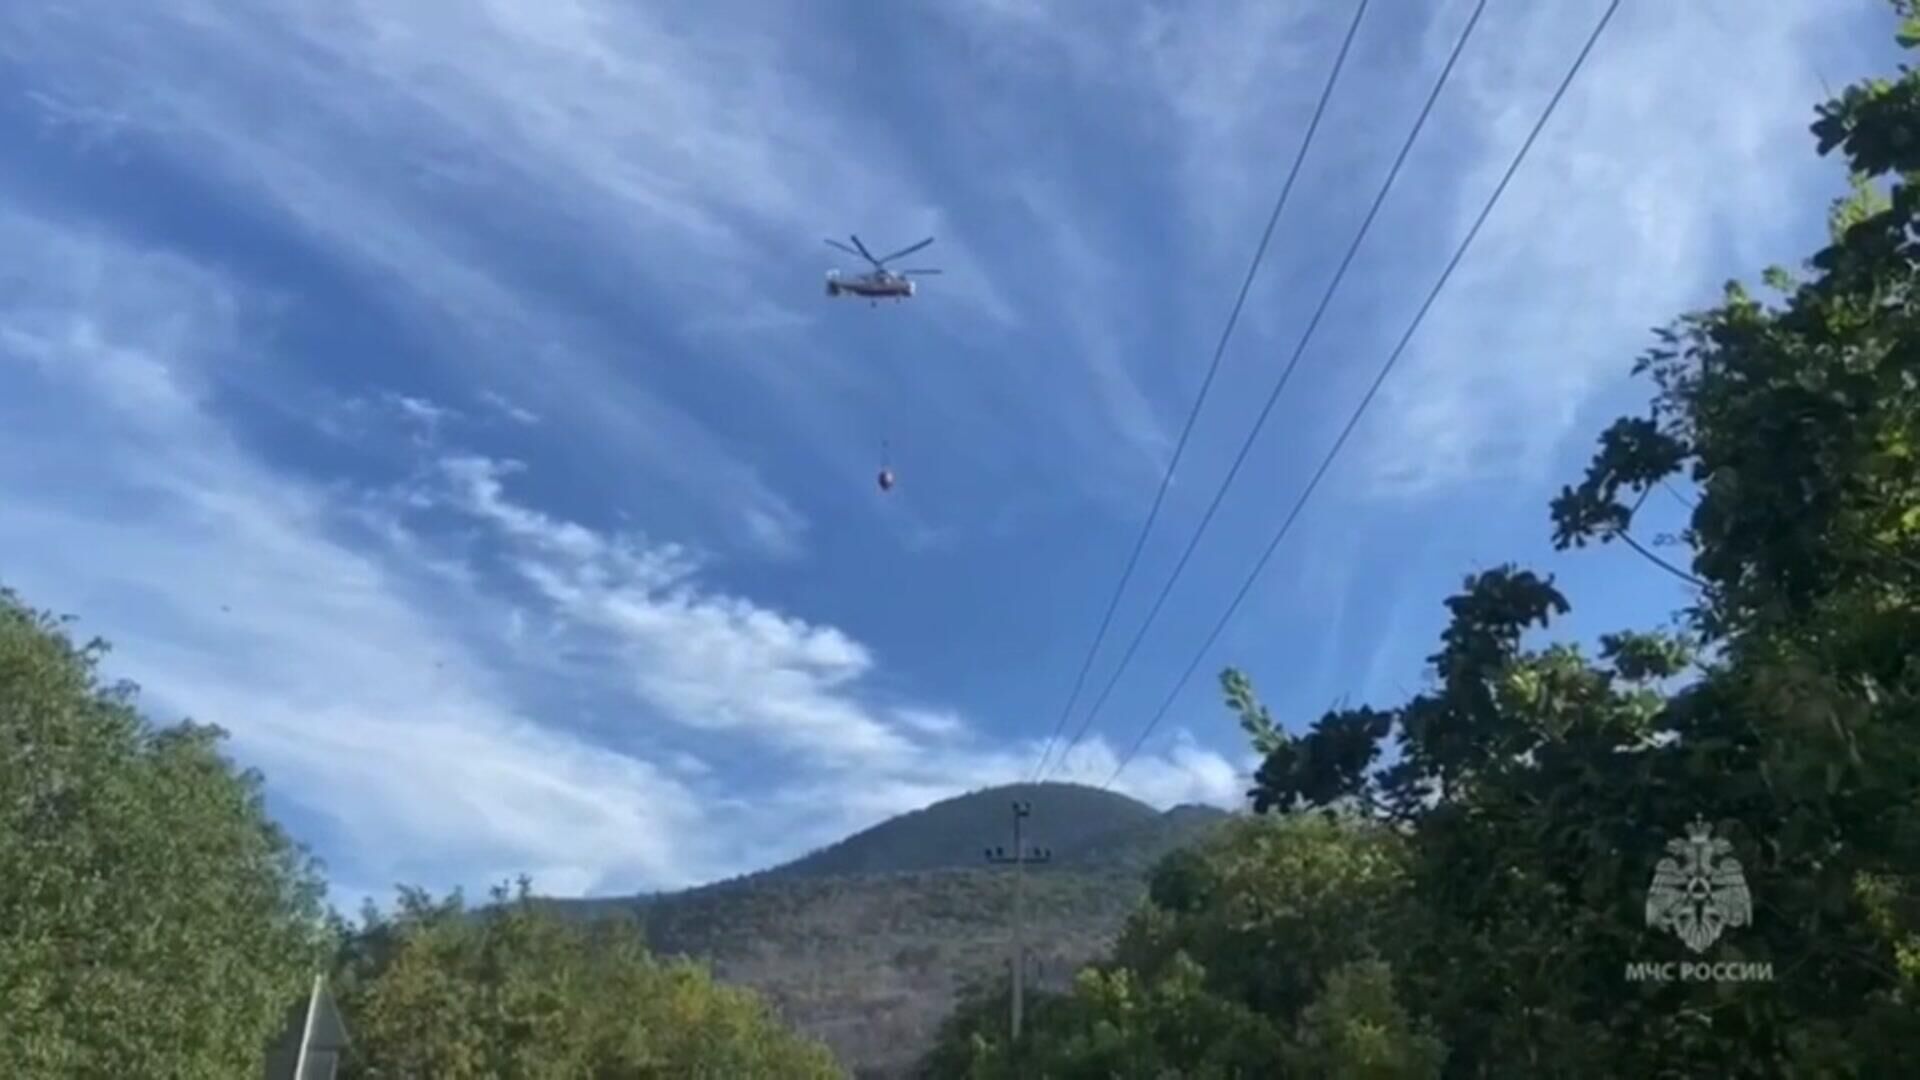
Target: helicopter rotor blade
905	273
906	250
843	247
864	253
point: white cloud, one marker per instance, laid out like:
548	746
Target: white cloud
705	660
224	597
1653	182
720	663
683	152
1669	167
389	690
516	413
641	133
1183	772
931	721
698	156
1221	93
689	765
1091	295
364	124
422	411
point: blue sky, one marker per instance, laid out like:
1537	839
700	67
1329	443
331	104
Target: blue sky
442	397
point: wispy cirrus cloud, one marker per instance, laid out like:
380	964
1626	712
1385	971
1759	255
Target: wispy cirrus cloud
1650	180
516	413
388	656
216	581
1651	185
385	136
715	662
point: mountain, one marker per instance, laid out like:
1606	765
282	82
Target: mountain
1137	848
867	943
954	833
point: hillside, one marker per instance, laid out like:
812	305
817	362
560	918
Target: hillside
1135	849
952	834
871	959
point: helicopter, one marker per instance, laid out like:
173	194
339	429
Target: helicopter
882	283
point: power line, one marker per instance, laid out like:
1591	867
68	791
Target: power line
1660	562
1679	498
1193	415
1624	532
1366	401
1313	324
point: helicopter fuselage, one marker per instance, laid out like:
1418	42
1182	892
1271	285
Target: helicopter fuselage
875	286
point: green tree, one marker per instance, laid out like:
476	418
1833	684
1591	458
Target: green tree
153	920
1356	1029
1257	955
513	991
1272	908
1114	1024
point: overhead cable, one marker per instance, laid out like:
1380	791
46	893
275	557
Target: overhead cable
1206	384
1273	398
1359	411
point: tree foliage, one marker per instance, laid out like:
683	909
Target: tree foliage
1260	953
153	920
513	990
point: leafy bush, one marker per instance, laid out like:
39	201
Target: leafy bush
153	920
1247	961
514	990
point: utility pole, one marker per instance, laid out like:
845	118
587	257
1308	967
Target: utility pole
1019	857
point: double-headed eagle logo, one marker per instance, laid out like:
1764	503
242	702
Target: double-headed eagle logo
1699	890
